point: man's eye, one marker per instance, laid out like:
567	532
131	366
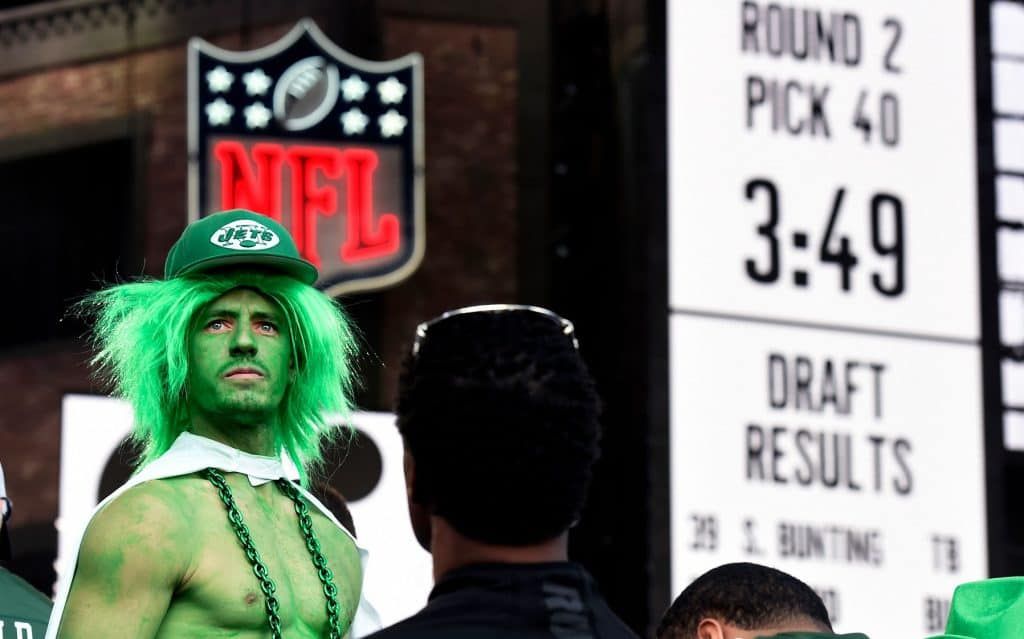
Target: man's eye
269	328
216	325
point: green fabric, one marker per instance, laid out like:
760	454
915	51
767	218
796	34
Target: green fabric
236	237
989	609
21	603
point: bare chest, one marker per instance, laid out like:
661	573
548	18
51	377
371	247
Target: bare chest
222	589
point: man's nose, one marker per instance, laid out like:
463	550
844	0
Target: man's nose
243	343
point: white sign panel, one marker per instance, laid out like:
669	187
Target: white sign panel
825	366
839	458
825	177
399	573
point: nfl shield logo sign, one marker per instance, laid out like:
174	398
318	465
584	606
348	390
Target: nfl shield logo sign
327	143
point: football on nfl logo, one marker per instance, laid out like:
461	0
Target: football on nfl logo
327	143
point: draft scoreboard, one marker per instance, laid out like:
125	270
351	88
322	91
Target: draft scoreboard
826	411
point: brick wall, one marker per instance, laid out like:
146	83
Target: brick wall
470	84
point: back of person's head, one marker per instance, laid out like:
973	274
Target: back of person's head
746	596
500	417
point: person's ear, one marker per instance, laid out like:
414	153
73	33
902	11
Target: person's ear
419	514
710	629
409	466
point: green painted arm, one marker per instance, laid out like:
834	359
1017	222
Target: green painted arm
133	556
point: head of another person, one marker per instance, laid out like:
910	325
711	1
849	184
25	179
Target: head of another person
744	600
234	329
499	417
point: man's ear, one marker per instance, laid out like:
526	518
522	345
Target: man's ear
419	514
409	466
710	629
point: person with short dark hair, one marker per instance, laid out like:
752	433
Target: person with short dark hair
499	417
23	609
746	600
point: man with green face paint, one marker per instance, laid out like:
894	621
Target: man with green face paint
230	363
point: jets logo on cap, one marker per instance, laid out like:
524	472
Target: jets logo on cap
244	235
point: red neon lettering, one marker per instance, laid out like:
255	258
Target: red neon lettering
308	198
255	183
362	242
245	187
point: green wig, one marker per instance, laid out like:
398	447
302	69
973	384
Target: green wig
141	332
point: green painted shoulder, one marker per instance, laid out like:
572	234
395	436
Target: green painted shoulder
159	501
147	522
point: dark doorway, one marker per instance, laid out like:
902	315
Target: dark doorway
68	223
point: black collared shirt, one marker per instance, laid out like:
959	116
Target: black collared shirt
504	601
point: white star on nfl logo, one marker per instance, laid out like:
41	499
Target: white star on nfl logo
354	121
353	88
219	80
256	115
391	124
391	91
256	82
219	112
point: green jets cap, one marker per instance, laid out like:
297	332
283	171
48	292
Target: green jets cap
237	238
989	609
